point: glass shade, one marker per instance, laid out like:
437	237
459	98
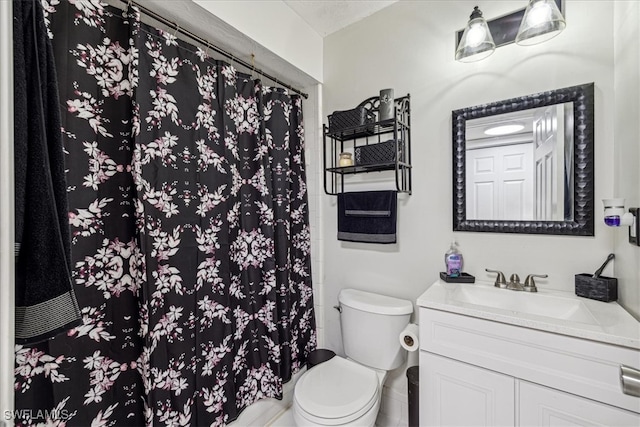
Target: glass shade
542	21
476	42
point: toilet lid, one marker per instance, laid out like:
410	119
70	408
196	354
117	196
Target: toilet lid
337	388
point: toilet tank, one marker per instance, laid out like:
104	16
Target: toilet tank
371	326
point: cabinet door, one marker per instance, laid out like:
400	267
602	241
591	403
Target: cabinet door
454	393
543	406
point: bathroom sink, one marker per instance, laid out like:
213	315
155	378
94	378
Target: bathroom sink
538	304
549	310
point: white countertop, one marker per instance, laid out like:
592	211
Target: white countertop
588	319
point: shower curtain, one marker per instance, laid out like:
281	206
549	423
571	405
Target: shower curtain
190	233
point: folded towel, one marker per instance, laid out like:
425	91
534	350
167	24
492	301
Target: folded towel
367	216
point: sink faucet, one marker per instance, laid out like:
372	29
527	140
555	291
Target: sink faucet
501	282
530	284
514	281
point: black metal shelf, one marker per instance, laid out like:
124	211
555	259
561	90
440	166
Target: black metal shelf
397	128
377	128
374	167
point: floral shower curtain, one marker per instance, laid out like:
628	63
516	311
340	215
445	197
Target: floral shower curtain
190	233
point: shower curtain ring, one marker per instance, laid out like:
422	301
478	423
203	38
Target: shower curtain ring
175	33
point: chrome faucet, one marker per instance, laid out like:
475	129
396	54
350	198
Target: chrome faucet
514	281
530	284
501	282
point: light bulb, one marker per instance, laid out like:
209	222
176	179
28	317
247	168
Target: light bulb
539	13
542	21
476	42
476	35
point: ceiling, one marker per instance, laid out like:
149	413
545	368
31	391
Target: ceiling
329	16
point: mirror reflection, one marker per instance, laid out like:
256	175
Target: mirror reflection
519	165
526	164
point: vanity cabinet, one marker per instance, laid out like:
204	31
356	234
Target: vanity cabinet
476	372
464	395
544	406
379	145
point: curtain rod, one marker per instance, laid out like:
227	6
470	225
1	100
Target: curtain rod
212	46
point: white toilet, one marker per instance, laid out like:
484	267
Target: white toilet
341	392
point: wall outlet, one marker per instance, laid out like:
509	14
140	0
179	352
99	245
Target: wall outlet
634	229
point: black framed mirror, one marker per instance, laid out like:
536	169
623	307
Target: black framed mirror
526	164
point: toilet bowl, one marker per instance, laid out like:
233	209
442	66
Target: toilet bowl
346	391
338	392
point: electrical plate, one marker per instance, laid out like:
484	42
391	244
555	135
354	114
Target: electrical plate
634	229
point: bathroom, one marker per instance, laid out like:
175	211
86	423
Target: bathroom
409	46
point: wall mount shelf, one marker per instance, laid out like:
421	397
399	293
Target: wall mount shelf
351	139
375	167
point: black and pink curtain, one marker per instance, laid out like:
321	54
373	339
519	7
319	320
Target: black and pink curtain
190	233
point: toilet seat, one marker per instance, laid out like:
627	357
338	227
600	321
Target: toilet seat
336	392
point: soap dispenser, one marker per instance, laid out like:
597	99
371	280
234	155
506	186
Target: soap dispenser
453	261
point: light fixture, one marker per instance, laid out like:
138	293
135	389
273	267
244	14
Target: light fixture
542	21
504	129
476	42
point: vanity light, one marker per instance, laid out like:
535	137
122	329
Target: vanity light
542	21
476	42
539	22
504	129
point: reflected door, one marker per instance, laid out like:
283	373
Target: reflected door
500	183
549	164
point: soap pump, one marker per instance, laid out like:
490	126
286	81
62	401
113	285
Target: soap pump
453	261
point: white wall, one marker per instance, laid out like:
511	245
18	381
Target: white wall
627	143
275	26
6	211
410	47
312	109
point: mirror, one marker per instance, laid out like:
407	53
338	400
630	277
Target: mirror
525	165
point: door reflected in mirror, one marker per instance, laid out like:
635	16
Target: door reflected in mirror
519	165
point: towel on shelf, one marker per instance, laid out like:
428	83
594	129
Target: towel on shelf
367	216
46	304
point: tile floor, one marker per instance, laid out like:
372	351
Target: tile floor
286	420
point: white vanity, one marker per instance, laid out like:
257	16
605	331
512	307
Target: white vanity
495	357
